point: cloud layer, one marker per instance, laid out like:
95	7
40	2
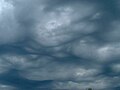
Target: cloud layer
59	44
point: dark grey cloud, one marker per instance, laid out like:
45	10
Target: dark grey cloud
59	44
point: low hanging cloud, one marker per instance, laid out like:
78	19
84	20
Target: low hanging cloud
59	44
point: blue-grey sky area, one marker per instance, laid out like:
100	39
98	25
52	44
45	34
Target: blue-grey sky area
59	44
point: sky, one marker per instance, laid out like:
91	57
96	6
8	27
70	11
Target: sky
59	44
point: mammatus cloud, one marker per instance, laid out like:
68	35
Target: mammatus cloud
59	44
60	25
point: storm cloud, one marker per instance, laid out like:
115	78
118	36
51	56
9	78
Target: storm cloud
59	44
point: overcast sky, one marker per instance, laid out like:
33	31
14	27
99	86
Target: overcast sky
59	44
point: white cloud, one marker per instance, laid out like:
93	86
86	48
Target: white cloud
60	25
7	87
47	68
97	83
9	31
20	62
88	48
